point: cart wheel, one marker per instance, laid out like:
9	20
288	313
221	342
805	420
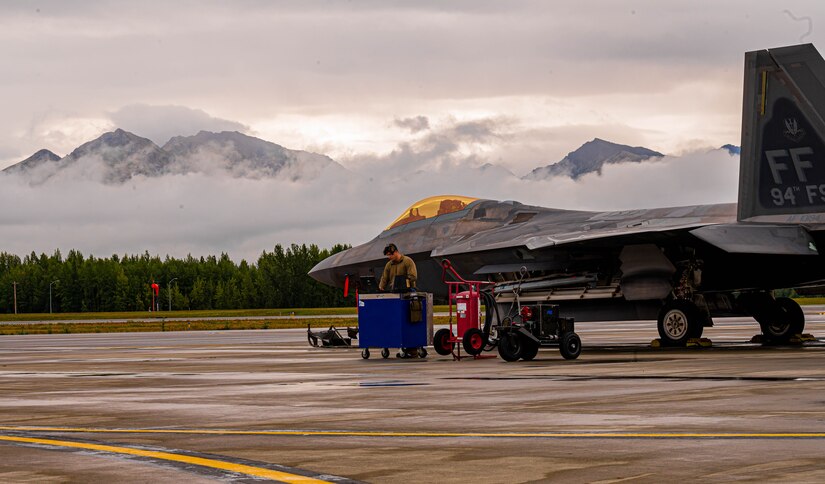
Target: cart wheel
385	353
510	346
441	342
473	341
422	352
531	349
313	341
365	353
570	346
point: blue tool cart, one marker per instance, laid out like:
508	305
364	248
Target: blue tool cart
402	321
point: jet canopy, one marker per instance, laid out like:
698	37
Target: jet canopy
432	207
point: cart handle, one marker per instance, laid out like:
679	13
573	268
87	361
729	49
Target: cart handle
447	266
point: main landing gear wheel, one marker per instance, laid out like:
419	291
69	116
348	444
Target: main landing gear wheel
385	353
788	321
679	320
473	341
365	353
510	346
441	342
570	346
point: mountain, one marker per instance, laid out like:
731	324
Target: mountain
40	159
118	156
243	156
591	157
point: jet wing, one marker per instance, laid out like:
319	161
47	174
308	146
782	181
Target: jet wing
744	238
549	231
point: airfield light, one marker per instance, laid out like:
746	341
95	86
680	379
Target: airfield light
50	293
169	291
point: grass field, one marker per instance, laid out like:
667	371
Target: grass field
159	315
64	322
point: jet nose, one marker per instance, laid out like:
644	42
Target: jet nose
324	272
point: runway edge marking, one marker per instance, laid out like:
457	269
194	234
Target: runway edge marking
348	433
168	456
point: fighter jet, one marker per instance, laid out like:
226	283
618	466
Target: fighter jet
678	265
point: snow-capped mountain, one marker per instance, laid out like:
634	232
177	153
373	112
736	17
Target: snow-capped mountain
42	158
243	156
118	156
590	157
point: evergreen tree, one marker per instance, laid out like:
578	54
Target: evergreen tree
122	283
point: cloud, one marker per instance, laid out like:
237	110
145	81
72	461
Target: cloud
374	61
160	123
210	213
449	143
414	125
489	78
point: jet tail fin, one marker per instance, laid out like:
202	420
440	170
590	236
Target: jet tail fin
782	162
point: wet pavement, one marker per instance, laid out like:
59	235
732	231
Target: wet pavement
622	411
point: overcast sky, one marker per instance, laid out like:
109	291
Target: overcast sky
382	87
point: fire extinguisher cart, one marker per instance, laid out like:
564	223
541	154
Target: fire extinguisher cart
391	320
469	331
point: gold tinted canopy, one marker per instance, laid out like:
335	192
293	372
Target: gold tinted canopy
432	207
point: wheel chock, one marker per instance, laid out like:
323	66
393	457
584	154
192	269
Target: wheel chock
797	339
699	343
656	343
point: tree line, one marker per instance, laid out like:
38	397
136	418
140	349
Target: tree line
89	284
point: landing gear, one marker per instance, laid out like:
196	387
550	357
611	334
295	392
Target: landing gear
679	320
780	319
785	321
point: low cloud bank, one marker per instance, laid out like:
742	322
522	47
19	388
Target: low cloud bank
203	214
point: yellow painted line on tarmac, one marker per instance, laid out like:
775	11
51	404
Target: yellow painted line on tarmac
349	433
167	456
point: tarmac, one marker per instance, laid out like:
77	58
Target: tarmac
242	406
